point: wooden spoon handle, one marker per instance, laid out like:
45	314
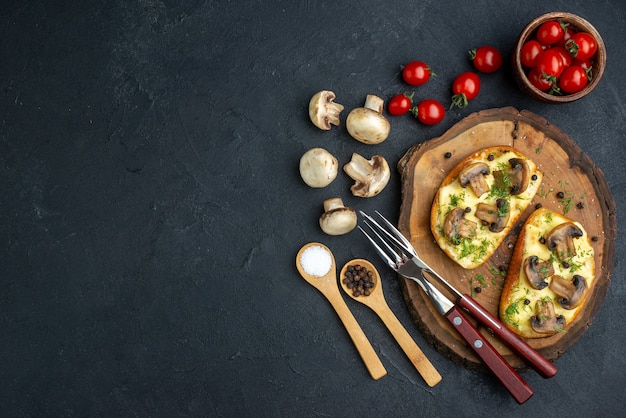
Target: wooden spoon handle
416	356
363	346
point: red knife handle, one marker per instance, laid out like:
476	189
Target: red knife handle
518	345
519	389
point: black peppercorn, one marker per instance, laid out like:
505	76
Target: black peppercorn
534	177
490	157
359	279
538	206
560	195
580	205
447	154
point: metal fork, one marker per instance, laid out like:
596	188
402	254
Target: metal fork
400	255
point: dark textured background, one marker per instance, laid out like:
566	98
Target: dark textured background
151	206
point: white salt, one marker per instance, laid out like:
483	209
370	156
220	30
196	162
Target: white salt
316	261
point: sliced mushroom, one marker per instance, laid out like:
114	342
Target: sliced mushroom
496	216
537	271
318	167
570	292
323	111
474	175
561	240
455	226
337	219
370	176
367	124
546	321
519	175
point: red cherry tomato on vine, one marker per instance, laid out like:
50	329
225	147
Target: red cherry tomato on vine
400	104
486	59
550	63
417	73
465	88
573	79
582	46
538	80
529	53
550	32
429	112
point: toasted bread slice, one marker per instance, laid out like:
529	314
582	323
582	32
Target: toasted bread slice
548	280
480	200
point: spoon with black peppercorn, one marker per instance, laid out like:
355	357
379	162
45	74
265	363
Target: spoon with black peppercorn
361	281
316	265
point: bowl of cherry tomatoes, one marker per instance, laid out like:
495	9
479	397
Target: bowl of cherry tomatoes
559	57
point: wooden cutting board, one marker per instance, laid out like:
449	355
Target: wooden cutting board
566	169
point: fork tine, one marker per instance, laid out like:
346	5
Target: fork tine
390	250
380	251
404	247
407	244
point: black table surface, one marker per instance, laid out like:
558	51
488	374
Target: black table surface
151	206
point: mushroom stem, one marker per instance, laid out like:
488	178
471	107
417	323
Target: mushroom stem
374	103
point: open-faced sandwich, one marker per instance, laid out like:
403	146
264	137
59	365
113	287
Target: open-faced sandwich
548	280
480	200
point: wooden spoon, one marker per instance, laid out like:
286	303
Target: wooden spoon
327	285
376	301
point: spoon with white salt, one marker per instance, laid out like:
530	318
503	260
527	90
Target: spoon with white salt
316	265
375	300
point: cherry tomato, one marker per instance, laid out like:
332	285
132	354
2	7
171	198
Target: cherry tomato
573	79
400	104
586	64
550	32
550	63
486	59
582	46
429	112
569	32
565	55
529	52
538	80
465	88
417	73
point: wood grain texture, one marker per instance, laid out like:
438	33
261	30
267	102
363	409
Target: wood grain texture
566	168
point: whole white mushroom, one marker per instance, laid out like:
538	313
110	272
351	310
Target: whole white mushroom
318	167
367	124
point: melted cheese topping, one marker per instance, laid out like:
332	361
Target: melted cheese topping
515	311
472	252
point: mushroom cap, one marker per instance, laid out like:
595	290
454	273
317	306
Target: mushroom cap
323	111
370	176
537	271
571	292
337	219
561	239
519	175
546	321
455	225
496	216
367	124
318	167
472	170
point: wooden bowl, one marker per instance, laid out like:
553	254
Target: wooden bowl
578	24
